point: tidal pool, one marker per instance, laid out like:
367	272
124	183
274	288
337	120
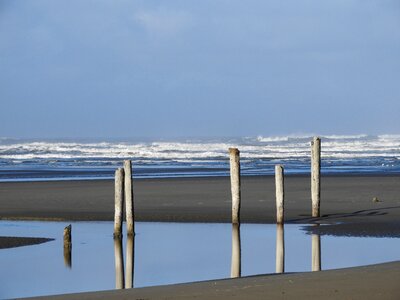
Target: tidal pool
166	253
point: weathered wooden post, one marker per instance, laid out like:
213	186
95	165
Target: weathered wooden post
315	176
236	252
67	246
130	260
130	223
119	202
119	263
280	248
235	183
280	194
315	252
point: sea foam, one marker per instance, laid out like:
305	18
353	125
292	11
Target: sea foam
340	153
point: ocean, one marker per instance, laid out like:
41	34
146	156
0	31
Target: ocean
34	160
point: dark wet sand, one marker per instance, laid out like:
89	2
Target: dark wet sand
365	283
12	241
345	199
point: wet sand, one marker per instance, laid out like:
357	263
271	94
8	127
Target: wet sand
345	199
365	283
12	241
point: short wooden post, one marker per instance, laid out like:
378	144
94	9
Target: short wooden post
234	156
129	198
315	252
130	260
119	263
119	202
236	252
280	194
280	248
67	246
315	176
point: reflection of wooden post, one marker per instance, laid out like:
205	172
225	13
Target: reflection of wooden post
67	246
129	198
119	202
315	252
280	194
315	176
119	263
280	249
130	260
235	183
236	252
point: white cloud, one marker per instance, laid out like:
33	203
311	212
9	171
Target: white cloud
164	22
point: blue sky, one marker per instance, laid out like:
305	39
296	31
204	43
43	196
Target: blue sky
198	68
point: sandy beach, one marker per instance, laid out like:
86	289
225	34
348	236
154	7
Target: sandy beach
347	200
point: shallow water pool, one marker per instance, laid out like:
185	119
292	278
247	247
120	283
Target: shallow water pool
166	253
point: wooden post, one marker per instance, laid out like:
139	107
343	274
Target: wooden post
119	263
316	252
315	176
119	202
280	194
236	252
67	246
129	198
234	156
280	248
130	259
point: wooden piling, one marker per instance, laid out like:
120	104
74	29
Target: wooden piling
280	194
316	176
234	156
68	246
236	252
119	263
280	248
130	223
316	252
119	202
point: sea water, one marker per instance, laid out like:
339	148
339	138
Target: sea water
25	160
168	253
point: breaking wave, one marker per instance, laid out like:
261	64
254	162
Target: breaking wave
21	159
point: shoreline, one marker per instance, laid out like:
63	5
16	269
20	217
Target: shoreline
344	199
378	281
346	208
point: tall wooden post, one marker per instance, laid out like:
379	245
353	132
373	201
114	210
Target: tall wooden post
234	158
119	263
119	202
280	248
67	246
316	176
236	252
280	194
130	224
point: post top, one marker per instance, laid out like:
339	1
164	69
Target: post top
234	150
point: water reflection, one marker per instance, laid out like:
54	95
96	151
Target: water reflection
280	248
316	252
68	255
130	259
100	263
119	263
124	278
236	252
